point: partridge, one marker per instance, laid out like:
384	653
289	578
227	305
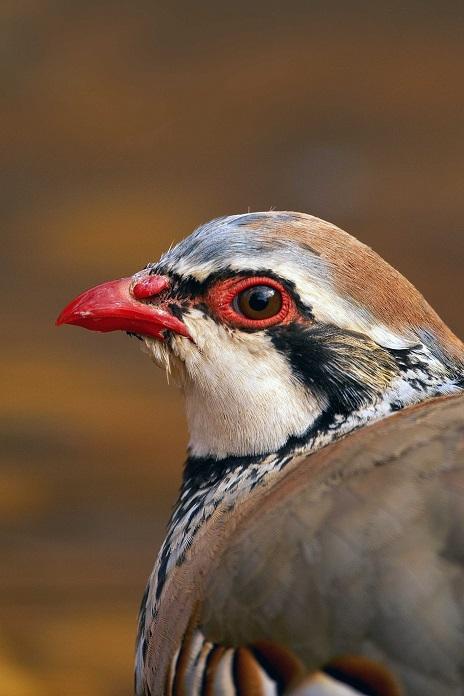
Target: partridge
317	544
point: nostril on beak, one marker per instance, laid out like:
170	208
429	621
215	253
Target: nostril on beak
148	286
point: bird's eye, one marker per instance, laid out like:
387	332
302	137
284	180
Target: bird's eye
259	302
252	302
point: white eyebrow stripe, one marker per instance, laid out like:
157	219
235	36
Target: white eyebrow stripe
316	289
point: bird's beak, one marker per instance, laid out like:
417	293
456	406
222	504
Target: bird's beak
118	306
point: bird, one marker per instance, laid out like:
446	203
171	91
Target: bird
317	544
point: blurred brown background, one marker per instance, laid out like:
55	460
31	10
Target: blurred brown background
123	126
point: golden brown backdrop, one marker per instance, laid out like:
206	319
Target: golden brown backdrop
123	126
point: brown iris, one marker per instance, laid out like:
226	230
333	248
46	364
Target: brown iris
259	302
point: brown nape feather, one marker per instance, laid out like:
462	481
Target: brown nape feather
364	276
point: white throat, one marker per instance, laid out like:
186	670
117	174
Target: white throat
243	398
227	421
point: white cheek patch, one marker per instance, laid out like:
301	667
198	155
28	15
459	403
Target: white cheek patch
241	396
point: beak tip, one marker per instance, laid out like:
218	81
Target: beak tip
59	320
65	317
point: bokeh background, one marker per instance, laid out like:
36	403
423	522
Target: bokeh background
124	124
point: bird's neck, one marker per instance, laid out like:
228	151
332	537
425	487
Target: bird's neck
210	481
238	426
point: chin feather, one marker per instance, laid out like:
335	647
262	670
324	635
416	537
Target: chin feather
164	357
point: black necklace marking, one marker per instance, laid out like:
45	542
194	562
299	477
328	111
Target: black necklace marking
202	474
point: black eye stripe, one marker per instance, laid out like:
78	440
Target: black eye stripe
188	287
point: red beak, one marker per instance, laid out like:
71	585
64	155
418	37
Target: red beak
116	306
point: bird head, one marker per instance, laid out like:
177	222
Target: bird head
274	324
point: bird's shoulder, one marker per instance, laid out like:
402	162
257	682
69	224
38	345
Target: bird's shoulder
339	541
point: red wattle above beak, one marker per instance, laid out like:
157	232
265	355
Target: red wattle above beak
113	306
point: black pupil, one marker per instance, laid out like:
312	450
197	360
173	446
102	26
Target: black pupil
259	298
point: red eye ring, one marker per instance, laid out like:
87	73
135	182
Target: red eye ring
222	296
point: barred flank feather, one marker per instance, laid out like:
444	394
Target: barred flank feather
200	668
